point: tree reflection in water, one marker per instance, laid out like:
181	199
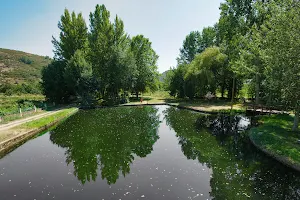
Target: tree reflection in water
108	138
239	171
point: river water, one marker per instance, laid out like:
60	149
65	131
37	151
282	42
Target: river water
146	152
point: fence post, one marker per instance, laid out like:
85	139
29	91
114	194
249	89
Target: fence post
20	112
34	108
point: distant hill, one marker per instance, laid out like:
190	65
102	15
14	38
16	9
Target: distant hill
17	67
163	76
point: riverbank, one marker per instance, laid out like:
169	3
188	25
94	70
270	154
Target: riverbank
14	135
274	137
212	107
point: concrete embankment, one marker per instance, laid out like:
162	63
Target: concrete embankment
21	134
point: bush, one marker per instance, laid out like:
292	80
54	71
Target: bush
24	104
9	89
26	60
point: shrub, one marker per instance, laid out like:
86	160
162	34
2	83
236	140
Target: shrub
26	60
9	89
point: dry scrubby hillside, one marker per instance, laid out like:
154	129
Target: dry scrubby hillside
17	67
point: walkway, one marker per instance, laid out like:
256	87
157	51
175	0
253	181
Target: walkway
25	120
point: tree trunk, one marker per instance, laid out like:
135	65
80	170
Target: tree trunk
223	87
257	88
232	93
296	119
137	95
223	90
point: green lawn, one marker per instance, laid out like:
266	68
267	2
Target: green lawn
274	134
47	120
12	132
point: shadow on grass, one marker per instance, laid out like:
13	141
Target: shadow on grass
275	135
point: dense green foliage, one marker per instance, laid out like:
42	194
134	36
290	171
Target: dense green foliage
208	72
100	63
196	43
145	59
73	36
11	104
253	47
18	89
53	82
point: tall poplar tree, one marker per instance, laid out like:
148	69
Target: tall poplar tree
73	36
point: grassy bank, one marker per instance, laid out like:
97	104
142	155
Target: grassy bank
47	120
274	135
36	124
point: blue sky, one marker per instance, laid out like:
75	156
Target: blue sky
29	25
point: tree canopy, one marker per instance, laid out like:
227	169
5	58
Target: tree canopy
101	63
254	45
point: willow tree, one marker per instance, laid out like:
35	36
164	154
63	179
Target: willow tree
206	72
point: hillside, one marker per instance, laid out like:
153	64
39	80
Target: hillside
17	67
163	76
